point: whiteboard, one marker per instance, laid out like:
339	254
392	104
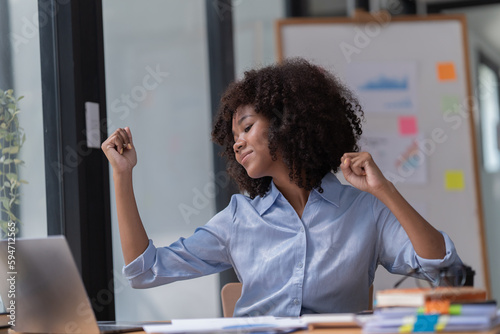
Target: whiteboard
435	116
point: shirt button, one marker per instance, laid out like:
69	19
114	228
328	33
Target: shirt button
296	301
301	229
300	264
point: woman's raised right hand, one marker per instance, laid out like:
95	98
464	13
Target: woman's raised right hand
120	151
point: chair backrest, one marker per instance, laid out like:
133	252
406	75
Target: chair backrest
370	298
230	294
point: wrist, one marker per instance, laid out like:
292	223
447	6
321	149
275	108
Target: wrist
122	175
385	191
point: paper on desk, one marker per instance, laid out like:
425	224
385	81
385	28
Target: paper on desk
228	325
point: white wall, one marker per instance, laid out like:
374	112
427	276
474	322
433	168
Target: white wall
254	36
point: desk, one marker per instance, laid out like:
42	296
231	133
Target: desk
496	330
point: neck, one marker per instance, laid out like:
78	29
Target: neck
296	196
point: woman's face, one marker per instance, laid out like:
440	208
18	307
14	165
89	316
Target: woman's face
251	147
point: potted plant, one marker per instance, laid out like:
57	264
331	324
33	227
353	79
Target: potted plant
12	138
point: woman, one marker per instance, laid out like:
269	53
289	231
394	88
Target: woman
299	240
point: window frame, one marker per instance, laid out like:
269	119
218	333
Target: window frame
488	62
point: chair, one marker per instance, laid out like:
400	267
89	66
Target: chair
370	299
230	294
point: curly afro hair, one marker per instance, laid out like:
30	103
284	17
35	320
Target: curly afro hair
314	119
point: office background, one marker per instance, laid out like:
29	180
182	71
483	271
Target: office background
157	66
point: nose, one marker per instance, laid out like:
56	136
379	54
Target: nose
238	145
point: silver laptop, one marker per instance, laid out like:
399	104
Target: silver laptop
49	293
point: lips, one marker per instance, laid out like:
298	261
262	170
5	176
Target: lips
243	157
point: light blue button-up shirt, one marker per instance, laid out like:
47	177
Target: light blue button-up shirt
323	262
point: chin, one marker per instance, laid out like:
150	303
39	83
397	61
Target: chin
254	175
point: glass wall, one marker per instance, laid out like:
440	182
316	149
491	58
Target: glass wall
22	173
157	84
20	71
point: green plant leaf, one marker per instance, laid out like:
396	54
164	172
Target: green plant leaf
11	176
5	203
14	149
23	181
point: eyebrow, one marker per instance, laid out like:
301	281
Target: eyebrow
241	120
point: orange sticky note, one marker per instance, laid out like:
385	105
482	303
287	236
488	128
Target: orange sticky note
407	125
437	306
446	71
454	180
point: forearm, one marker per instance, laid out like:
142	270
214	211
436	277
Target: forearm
426	240
134	239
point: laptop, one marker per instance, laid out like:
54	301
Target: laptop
49	293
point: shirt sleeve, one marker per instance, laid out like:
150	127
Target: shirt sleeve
396	252
203	253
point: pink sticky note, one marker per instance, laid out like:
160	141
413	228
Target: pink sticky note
407	125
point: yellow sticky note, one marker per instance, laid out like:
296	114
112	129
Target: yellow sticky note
446	71
454	180
408	328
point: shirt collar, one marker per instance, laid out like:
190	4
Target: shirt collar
331	189
331	192
262	203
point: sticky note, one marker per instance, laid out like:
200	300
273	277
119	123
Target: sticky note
437	306
407	328
450	103
454	180
446	71
407	125
425	323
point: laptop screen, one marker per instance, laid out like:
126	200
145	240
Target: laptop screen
48	296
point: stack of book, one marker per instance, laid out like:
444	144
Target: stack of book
443	309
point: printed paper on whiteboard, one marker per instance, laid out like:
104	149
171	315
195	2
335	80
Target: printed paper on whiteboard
384	87
399	157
